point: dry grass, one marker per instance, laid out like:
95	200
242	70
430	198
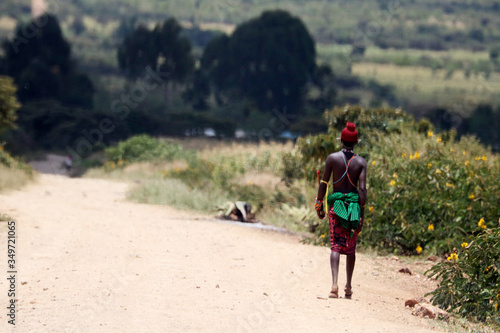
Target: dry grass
375	54
175	193
11	178
261	179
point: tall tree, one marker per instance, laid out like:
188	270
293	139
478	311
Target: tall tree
137	52
162	49
269	60
39	59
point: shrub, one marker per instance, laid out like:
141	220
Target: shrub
13	173
143	148
469	281
425	191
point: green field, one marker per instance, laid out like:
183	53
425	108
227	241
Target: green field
423	85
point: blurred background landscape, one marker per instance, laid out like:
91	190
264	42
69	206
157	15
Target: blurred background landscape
434	59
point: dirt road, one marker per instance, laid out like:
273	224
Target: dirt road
89	261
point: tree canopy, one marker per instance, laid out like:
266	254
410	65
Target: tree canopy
38	57
163	49
268	60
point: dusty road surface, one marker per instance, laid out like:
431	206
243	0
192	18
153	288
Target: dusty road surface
89	261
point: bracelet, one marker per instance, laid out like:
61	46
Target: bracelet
318	205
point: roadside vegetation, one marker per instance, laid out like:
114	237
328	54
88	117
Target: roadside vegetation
429	193
13	173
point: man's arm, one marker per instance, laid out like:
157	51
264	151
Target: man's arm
362	195
322	186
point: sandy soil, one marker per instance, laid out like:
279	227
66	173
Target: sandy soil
89	261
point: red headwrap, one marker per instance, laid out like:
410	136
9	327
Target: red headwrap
349	133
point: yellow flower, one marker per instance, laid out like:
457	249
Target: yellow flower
481	224
488	269
450	185
438	171
463	153
374	162
466	163
438	140
403	155
478	158
429	165
417	155
371	210
323	236
419	249
430	227
465	244
411	156
484	158
165	173
453	256
395	175
499	221
430	134
472	196
451	150
393	182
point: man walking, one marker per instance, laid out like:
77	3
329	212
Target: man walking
346	205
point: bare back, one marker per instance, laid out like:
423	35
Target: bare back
336	167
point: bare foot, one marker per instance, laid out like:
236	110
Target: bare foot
348	292
334	293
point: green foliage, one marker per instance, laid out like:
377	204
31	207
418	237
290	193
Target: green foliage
38	57
8	103
162	49
50	125
143	148
261	61
425	191
385	120
469	281
13	172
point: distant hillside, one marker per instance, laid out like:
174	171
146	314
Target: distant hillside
421	24
437	55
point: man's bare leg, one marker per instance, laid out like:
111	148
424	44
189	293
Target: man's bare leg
334	264
351	260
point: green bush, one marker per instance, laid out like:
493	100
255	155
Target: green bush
143	148
469	281
13	172
425	191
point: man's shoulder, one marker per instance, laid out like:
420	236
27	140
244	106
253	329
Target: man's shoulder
361	160
334	156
